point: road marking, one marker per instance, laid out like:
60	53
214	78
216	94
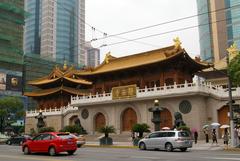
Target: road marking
143	157
31	158
217	158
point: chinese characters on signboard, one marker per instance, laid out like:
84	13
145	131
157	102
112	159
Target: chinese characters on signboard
124	92
2	81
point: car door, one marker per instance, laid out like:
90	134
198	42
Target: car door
151	141
46	141
35	144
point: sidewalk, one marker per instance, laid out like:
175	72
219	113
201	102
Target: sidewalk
201	145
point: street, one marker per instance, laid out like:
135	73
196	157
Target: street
13	153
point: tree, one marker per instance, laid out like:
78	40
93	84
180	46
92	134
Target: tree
234	70
12	108
106	140
140	128
106	130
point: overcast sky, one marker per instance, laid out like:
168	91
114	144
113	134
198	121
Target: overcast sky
116	16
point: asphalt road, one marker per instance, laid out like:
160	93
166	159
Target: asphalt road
14	153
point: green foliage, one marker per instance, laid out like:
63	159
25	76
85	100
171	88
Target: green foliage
32	132
140	128
46	129
73	129
234	70
107	130
10	106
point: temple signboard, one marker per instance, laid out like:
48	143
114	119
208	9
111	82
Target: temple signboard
123	92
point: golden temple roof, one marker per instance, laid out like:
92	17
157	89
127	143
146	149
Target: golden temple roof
45	92
58	74
159	55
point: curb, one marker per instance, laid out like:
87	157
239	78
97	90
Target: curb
111	146
232	149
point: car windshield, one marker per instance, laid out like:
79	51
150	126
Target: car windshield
65	136
183	134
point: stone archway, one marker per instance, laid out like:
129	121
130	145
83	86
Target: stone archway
129	118
99	121
166	118
74	120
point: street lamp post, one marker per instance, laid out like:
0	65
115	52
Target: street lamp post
156	110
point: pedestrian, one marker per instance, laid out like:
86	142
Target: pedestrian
195	134
133	135
226	136
206	135
214	136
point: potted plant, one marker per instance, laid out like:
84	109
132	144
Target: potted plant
140	129
106	130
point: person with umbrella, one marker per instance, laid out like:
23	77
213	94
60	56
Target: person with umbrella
214	136
226	136
205	131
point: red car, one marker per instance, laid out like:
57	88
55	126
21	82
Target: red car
50	142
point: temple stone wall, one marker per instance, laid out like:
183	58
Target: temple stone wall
204	110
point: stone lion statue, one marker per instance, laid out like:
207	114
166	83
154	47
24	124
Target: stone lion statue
178	120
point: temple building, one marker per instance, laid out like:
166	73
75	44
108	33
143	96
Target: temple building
120	91
56	89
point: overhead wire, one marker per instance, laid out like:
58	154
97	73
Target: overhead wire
128	40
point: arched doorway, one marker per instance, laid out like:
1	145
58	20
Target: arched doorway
129	118
100	121
166	118
223	117
74	120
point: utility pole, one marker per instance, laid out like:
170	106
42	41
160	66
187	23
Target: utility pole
230	102
232	50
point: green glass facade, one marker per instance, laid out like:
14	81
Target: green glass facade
11	51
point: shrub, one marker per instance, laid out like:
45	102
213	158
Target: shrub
46	129
107	130
140	128
73	129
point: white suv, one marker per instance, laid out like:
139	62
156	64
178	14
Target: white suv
166	140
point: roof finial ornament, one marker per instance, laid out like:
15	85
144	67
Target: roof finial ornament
65	65
107	57
232	51
177	43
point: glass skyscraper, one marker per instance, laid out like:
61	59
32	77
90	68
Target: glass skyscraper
219	22
55	29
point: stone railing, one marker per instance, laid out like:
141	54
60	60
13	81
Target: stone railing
164	91
51	111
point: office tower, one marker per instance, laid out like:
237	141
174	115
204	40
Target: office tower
219	22
92	55
55	30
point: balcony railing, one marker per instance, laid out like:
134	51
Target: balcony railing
166	91
52	111
145	93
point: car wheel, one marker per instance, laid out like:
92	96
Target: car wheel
142	146
183	149
26	150
169	147
52	151
71	152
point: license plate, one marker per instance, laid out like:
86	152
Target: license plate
70	142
